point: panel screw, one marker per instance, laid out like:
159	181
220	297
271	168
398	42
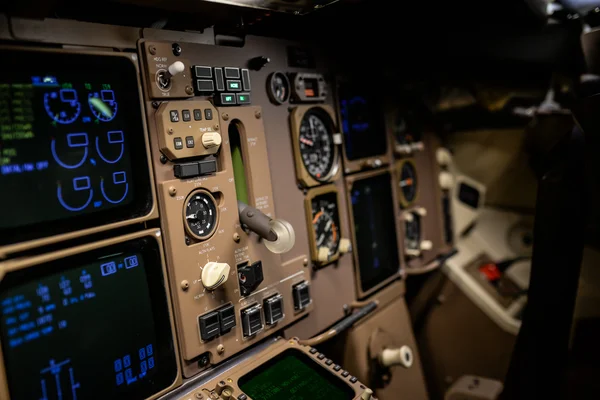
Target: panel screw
203	362
236	237
176	49
220	349
225	116
189	90
198	395
185	285
172	191
257	114
305	262
163	159
216	128
155	104
152	49
171	131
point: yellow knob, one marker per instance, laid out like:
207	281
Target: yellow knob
211	139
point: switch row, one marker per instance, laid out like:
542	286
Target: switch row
186	116
328	362
217	322
252	321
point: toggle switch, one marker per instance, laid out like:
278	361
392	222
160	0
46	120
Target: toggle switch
446	180
422	211
176	68
426	245
214	274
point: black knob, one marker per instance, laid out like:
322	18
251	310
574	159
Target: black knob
257	63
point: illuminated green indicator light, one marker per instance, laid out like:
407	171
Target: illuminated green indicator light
228	98
234	85
243	98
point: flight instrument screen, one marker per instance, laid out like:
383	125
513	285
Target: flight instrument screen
362	124
293	375
93	326
71	143
375	229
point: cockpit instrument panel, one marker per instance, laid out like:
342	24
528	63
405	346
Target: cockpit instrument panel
324	223
407	183
72	145
376	243
315	140
408	136
91	322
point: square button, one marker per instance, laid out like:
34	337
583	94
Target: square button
185	114
313	350
231	72
189	142
205	85
321	356
202	71
243	98
354	379
208	113
336	368
345	374
178	143
197	115
174	115
234	85
227	99
328	362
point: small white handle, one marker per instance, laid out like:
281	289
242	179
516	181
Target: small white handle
176	68
402	356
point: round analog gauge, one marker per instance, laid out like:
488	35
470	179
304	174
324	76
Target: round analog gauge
278	87
200	214
412	237
62	105
408	183
326	223
103	105
317	149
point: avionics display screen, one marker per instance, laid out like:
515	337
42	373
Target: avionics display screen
375	229
72	143
92	326
293	375
362	123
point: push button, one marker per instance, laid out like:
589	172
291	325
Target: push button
246	79
301	295
197	115
220	82
184	171
227	317
242	397
328	362
345	374
227	99
321	356
174	115
202	71
313	350
185	114
273	309
251	321
208	113
336	368
209	326
243	98
178	143
234	85
204	85
189	142
232	73
354	379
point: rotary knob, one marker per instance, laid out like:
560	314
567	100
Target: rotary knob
211	139
214	274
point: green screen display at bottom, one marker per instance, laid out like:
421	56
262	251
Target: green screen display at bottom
292	375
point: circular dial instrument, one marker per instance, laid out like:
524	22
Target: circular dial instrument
200	215
62	105
317	148
326	222
408	183
278	87
103	105
412	236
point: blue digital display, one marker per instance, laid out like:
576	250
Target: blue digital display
85	333
362	118
72	144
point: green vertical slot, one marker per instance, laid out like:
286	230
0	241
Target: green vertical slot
239	171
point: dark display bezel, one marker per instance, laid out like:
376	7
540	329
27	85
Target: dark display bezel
165	349
142	203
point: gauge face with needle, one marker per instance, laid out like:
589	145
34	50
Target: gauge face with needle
407	183
326	222
317	148
278	87
200	215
